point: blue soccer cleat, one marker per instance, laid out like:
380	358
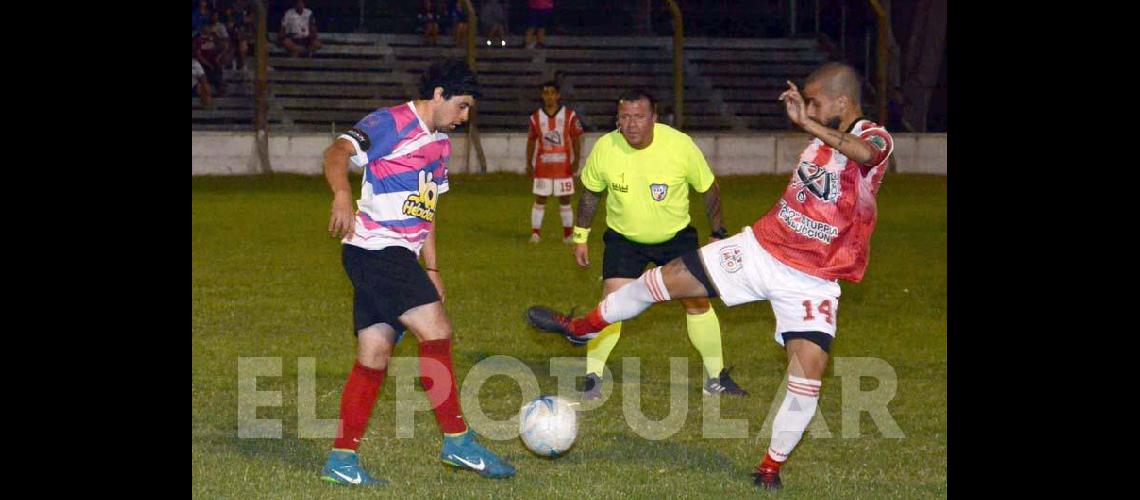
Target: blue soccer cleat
343	467
464	452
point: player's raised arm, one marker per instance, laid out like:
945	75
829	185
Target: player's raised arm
336	173
852	147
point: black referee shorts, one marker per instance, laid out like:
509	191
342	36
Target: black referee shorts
385	283
627	259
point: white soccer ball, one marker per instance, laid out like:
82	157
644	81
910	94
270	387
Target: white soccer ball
548	425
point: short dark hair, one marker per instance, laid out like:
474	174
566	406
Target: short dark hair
550	83
451	74
838	79
637	94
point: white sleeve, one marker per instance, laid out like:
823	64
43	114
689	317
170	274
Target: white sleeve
359	159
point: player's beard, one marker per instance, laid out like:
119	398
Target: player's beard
832	123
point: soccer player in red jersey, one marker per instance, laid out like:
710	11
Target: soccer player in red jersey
819	232
555	132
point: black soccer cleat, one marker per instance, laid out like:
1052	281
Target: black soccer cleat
549	320
766	478
592	388
723	384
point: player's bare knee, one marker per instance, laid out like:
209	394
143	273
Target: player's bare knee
696	306
376	357
806	358
680	282
374	346
564	201
540	200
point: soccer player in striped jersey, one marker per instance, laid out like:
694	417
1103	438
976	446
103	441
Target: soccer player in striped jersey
404	155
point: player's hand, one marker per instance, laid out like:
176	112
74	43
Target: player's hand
343	219
582	254
438	282
794	105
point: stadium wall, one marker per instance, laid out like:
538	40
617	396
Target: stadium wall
232	153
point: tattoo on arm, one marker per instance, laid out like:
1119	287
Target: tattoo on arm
713	207
587	205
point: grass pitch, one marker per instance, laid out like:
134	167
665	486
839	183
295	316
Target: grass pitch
267	283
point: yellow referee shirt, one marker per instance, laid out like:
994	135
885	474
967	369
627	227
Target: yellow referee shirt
648	201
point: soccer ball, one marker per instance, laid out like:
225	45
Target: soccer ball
548	426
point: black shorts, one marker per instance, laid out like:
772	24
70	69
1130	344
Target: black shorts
539	19
385	283
627	259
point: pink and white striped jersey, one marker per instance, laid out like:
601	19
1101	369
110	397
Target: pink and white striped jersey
405	171
822	224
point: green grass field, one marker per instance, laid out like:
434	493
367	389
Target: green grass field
267	282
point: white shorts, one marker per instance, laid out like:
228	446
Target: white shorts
554	187
743	271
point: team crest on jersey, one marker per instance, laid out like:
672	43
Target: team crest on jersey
422	204
553	137
659	191
878	141
822	183
731	258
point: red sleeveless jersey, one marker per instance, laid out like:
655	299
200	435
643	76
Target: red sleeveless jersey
555	136
822	224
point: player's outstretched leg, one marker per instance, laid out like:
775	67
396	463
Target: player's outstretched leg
660	284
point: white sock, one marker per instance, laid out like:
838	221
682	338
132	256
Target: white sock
536	213
634	297
567	215
794	416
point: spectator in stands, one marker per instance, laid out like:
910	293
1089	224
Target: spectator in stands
457	14
429	23
200	17
198	84
222	35
537	21
298	31
494	18
206	52
239	24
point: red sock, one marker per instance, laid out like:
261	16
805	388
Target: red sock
356	405
535	231
589	323
445	403
567	231
769	464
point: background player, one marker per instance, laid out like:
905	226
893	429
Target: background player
555	130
